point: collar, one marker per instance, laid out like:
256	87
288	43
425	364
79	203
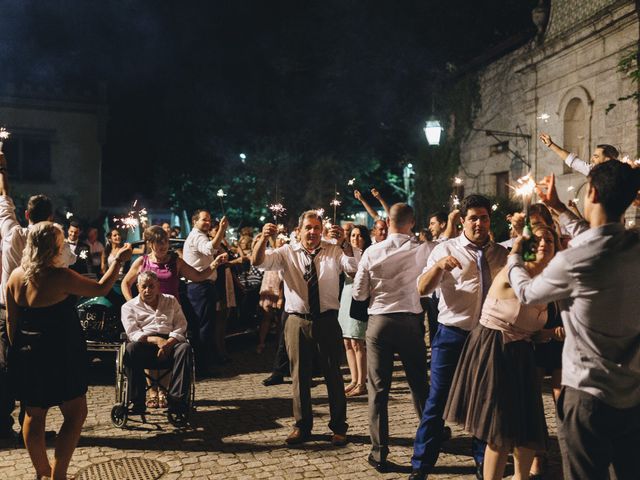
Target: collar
465	242
601	231
146	306
298	246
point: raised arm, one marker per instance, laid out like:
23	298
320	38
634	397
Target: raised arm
75	284
258	253
367	207
8	218
187	271
130	278
451	230
569	158
385	205
222	230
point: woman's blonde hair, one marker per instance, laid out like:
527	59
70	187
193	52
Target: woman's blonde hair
44	245
547	228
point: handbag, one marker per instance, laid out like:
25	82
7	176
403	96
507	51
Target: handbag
358	309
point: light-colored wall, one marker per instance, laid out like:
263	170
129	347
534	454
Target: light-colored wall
76	151
541	79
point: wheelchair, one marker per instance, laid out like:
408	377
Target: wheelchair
122	410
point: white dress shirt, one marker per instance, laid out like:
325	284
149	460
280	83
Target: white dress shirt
596	284
140	320
14	241
460	302
387	273
577	164
292	261
198	252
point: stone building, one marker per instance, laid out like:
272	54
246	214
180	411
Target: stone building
55	146
560	82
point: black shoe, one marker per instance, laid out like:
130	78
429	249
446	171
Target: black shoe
446	434
381	467
273	380
479	471
418	474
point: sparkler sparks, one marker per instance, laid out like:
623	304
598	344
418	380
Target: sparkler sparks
320	212
221	195
544	117
494	207
457	181
277	210
84	254
351	182
455	201
335	202
133	218
68	215
570	188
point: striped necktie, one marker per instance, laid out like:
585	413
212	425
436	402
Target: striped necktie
313	291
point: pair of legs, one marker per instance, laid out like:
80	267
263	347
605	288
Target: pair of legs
538	464
269	316
304	337
594	435
388	334
156	396
495	460
33	430
357	361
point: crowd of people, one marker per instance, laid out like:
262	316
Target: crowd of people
495	323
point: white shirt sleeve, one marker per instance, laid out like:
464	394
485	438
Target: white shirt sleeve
203	245
577	164
572	224
8	218
436	254
349	264
179	321
361	285
554	283
274	259
131	327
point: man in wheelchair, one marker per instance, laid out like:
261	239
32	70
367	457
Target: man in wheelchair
156	326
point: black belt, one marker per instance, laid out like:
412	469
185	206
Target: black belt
308	316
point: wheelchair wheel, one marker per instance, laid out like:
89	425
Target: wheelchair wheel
121	378
119	416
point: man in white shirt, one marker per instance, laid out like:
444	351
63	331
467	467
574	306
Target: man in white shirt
462	268
437	226
595	284
601	154
311	274
156	328
387	273
199	252
95	249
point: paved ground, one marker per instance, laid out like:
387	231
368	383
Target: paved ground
239	428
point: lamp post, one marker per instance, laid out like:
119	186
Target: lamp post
433	131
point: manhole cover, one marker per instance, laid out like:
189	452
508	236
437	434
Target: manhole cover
136	468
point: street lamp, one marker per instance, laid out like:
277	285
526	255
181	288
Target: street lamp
433	131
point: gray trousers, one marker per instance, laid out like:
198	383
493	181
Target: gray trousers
302	338
401	333
593	435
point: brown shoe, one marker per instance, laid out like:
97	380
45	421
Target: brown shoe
339	439
297	436
360	389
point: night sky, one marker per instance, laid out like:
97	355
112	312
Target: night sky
191	84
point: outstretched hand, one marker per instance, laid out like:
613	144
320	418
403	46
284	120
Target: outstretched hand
546	139
548	194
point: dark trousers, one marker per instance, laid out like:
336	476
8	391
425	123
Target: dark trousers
7	401
445	353
304	337
431	308
281	361
141	355
593	435
400	333
201	314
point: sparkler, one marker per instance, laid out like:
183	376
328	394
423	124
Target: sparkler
457	181
83	254
68	215
351	182
335	203
525	186
4	135
455	201
544	117
320	212
494	207
221	195
133	218
277	210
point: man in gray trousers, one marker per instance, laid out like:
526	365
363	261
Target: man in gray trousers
387	273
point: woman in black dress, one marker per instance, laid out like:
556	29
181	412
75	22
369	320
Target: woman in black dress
48	361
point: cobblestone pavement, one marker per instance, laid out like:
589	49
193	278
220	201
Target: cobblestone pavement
239	428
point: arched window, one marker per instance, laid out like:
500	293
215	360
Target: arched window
575	129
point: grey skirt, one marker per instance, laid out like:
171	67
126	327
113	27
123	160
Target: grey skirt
495	394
